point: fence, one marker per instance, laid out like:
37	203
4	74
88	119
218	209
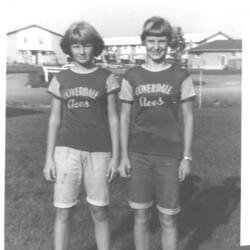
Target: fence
47	70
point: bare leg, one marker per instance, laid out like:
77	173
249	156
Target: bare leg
101	224
169	234
61	229
141	228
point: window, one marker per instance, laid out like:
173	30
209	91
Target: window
41	41
223	60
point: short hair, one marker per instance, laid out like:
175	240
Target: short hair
82	33
156	26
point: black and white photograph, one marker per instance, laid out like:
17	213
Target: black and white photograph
125	126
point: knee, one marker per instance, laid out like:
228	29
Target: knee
167	221
62	215
142	216
99	213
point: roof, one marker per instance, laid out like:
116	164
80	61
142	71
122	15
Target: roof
200	37
33	26
122	40
219	45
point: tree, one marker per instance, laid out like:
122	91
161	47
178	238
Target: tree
177	44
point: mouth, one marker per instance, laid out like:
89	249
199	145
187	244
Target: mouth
82	58
157	53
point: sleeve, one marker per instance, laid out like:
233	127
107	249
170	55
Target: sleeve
54	88
112	85
187	90
126	92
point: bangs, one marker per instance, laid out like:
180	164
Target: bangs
82	33
157	26
154	29
83	36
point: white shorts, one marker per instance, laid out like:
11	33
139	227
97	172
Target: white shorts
73	166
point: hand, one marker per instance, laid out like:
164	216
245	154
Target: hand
184	169
49	170
125	168
112	170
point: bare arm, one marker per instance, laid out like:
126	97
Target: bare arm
54	124
124	167
113	124
124	127
188	120
114	133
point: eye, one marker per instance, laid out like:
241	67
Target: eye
75	46
88	45
150	43
163	42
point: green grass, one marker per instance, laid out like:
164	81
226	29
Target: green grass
210	197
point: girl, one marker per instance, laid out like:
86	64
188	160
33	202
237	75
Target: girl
151	143
82	134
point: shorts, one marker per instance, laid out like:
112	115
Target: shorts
154	178
74	166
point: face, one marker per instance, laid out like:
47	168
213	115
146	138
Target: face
156	47
82	54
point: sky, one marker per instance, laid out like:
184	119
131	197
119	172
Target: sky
126	18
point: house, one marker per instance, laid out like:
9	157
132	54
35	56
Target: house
125	49
34	45
193	40
220	54
131	49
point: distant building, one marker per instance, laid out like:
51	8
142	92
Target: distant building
131	49
193	40
125	49
37	45
34	45
220	54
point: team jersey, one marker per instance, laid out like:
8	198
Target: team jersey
155	97
85	123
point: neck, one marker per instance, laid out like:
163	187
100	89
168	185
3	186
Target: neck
156	65
83	68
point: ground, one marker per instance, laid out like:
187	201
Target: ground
210	217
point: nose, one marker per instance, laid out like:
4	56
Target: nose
156	45
81	50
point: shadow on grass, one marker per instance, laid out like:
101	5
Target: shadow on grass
13	112
203	210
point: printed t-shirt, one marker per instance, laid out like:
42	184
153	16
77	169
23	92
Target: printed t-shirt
84	123
155	97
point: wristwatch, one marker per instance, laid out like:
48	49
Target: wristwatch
187	158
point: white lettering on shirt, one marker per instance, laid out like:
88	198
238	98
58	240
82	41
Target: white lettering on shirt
150	103
81	91
144	89
153	88
72	104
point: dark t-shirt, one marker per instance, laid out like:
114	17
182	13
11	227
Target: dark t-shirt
155	97
84	108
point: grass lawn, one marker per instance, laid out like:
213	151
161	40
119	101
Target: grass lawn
210	197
